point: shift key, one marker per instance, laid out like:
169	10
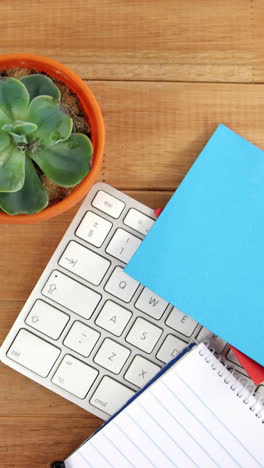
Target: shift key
32	352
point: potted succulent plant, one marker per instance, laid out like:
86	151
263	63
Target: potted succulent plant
51	138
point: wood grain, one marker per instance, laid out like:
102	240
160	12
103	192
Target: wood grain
165	73
158	129
171	40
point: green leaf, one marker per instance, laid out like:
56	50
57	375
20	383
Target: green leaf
17	138
68	162
40	85
12	167
30	199
14	100
20	127
4	142
53	124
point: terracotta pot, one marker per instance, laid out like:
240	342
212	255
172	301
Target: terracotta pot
90	109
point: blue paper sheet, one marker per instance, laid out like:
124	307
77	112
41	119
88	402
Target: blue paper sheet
205	253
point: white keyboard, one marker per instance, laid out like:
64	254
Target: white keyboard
88	331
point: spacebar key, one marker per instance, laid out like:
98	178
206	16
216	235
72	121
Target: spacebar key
33	353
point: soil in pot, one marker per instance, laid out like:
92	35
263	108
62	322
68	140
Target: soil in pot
71	105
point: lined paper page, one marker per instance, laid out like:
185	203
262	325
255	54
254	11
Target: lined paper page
188	418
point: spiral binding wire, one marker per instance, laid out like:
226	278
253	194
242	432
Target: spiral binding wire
246	393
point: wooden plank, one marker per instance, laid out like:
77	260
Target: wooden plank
35	441
257	9
172	40
155	131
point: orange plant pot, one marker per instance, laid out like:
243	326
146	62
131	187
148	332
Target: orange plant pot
90	109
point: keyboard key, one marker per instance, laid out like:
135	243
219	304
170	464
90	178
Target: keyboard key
75	376
84	263
108	204
260	391
170	348
215	342
151	304
121	285
243	379
232	357
181	322
111	395
71	294
47	319
144	335
93	229
140	371
112	356
113	318
138	221
81	338
33	352
123	245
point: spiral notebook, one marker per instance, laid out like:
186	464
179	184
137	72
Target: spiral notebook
195	414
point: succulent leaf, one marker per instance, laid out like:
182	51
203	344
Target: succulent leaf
68	162
18	139
18	126
40	85
14	100
12	168
30	199
4	142
54	125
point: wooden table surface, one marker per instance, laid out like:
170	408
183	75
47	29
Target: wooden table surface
165	73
